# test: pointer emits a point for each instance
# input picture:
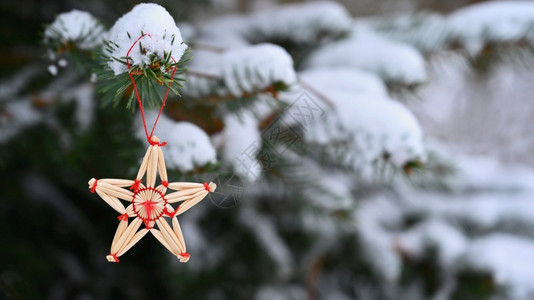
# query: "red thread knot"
(93, 188)
(123, 217)
(135, 185)
(153, 143)
(168, 213)
(207, 187)
(185, 254)
(165, 183)
(114, 255)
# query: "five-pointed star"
(149, 205)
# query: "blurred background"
(413, 179)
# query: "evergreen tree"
(304, 118)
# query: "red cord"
(148, 137)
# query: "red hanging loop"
(148, 137)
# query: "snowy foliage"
(471, 28)
(392, 61)
(325, 178)
(162, 37)
(448, 221)
(477, 25)
(188, 146)
(300, 23)
(364, 118)
(239, 71)
(77, 27)
(305, 23)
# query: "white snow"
(509, 258)
(241, 142)
(76, 26)
(307, 23)
(378, 244)
(328, 79)
(256, 67)
(476, 25)
(300, 22)
(188, 146)
(449, 241)
(83, 95)
(373, 125)
(161, 35)
(239, 71)
(392, 61)
(52, 69)
(62, 63)
(488, 196)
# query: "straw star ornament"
(149, 204)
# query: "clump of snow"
(62, 63)
(239, 71)
(491, 22)
(373, 125)
(508, 258)
(161, 36)
(301, 22)
(392, 61)
(78, 27)
(256, 67)
(188, 146)
(52, 69)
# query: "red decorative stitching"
(165, 183)
(135, 185)
(153, 143)
(185, 254)
(123, 217)
(93, 188)
(207, 187)
(114, 255)
(148, 205)
(168, 213)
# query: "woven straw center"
(149, 204)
